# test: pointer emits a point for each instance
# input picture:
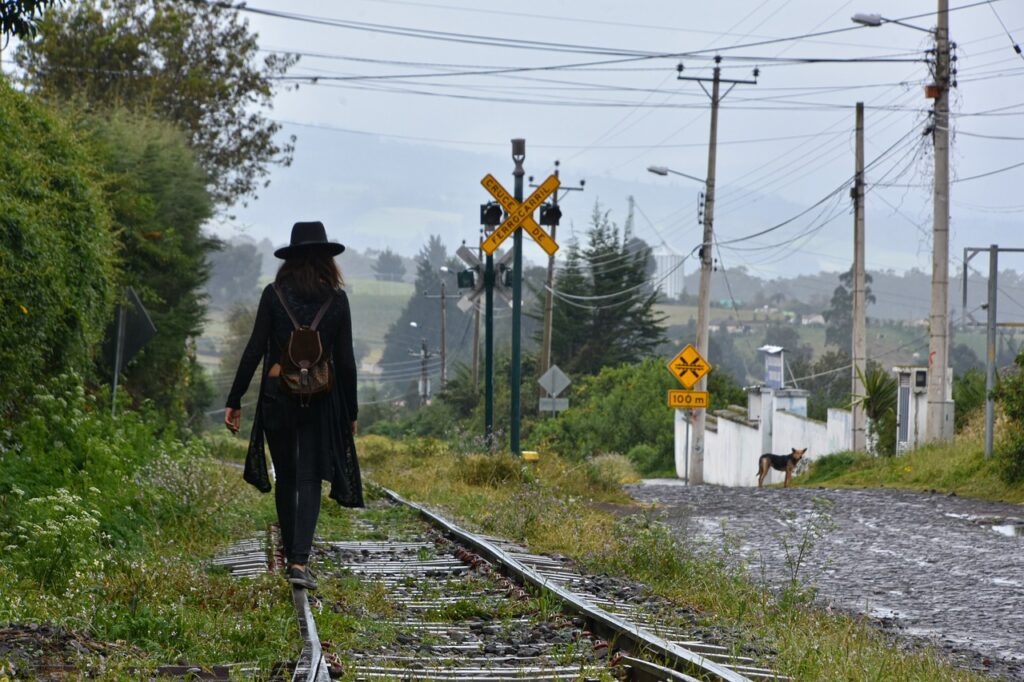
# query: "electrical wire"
(988, 173)
(1013, 43)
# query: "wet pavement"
(944, 569)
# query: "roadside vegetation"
(959, 467)
(578, 508)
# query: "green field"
(375, 306)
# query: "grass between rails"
(560, 506)
(958, 467)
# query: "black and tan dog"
(785, 463)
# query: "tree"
(194, 64)
(604, 307)
(879, 404)
(58, 251)
(402, 340)
(159, 202)
(389, 266)
(828, 380)
(839, 316)
(18, 18)
(788, 336)
(235, 269)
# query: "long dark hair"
(313, 274)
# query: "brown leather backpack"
(305, 367)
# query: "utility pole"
(424, 390)
(444, 317)
(990, 345)
(550, 216)
(991, 327)
(518, 156)
(549, 297)
(938, 415)
(704, 304)
(476, 332)
(859, 342)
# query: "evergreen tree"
(604, 308)
(403, 342)
(389, 267)
(839, 316)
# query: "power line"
(991, 172)
(1013, 43)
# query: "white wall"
(840, 430)
(731, 453)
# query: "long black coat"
(332, 413)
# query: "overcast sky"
(388, 161)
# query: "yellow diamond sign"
(689, 367)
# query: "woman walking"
(307, 407)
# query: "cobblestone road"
(945, 569)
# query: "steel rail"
(642, 639)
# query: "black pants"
(291, 436)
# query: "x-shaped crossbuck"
(519, 214)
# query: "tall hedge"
(57, 251)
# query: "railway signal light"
(550, 214)
(490, 214)
(466, 279)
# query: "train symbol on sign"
(689, 367)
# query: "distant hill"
(904, 296)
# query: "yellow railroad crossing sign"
(519, 214)
(689, 367)
(687, 399)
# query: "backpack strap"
(280, 297)
(323, 311)
(319, 315)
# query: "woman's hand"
(232, 419)
(355, 428)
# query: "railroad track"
(454, 606)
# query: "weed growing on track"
(555, 506)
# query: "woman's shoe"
(301, 577)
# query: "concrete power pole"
(444, 325)
(476, 331)
(859, 342)
(938, 415)
(424, 390)
(707, 243)
(704, 304)
(549, 298)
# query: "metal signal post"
(518, 155)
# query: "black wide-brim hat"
(309, 237)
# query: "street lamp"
(665, 170)
(875, 20)
(939, 420)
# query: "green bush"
(1010, 393)
(54, 536)
(57, 250)
(968, 395)
(610, 471)
(77, 483)
(621, 408)
(490, 470)
(648, 460)
(831, 466)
